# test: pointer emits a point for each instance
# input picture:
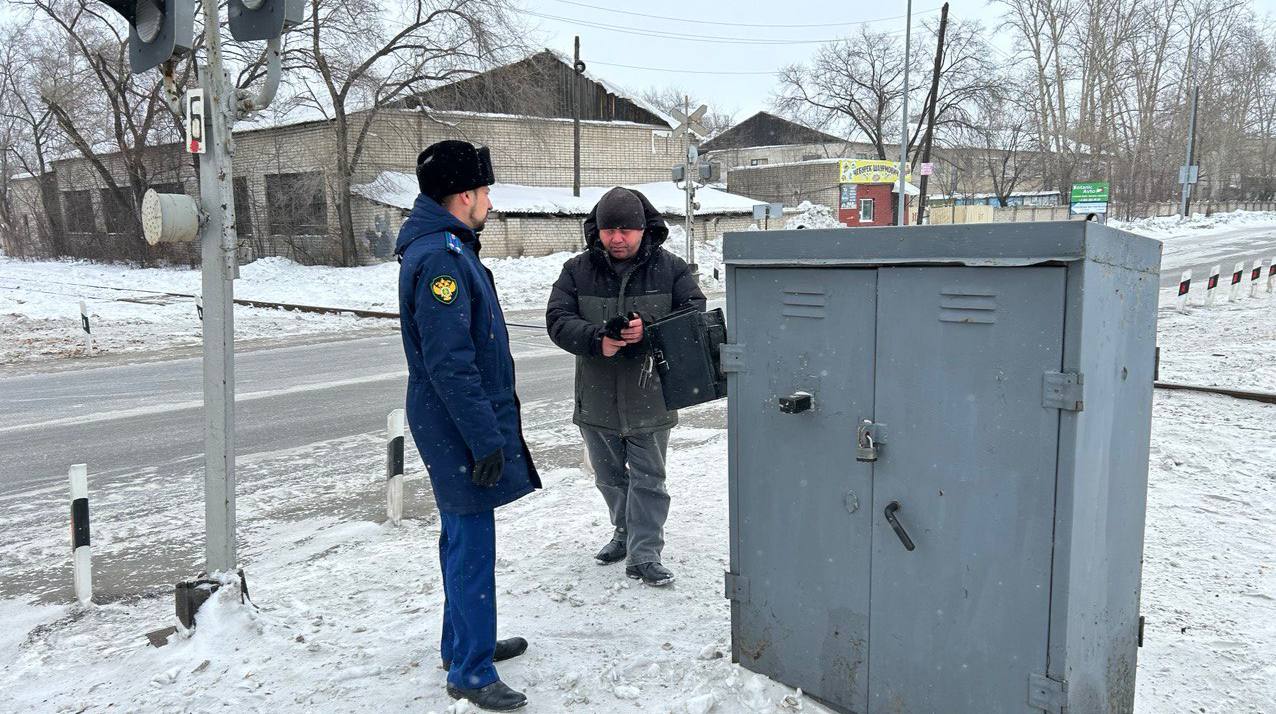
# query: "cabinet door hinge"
(1063, 390)
(737, 587)
(1047, 694)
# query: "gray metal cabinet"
(988, 560)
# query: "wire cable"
(712, 39)
(740, 24)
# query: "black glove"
(487, 470)
(613, 326)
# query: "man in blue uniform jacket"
(461, 407)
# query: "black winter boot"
(650, 573)
(495, 697)
(613, 552)
(505, 649)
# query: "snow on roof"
(397, 189)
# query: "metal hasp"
(989, 558)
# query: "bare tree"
(369, 57)
(104, 111)
(855, 85)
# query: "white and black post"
(1255, 275)
(88, 329)
(1271, 274)
(1185, 284)
(1212, 286)
(81, 550)
(394, 467)
(1237, 272)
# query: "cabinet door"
(961, 622)
(800, 501)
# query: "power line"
(681, 71)
(714, 39)
(738, 24)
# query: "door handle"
(891, 508)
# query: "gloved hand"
(487, 470)
(613, 327)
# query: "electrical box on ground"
(938, 463)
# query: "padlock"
(865, 447)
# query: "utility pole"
(1188, 165)
(219, 244)
(690, 186)
(903, 119)
(579, 67)
(930, 113)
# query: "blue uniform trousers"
(467, 554)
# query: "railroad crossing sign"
(690, 123)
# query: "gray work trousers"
(630, 473)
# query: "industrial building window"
(866, 210)
(757, 162)
(243, 208)
(77, 207)
(810, 157)
(296, 204)
(114, 213)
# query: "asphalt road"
(121, 418)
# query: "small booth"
(868, 190)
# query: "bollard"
(1235, 294)
(1271, 274)
(1212, 285)
(82, 568)
(88, 332)
(1185, 283)
(1255, 274)
(394, 467)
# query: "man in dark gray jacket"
(598, 310)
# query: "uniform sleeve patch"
(444, 289)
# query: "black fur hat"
(452, 166)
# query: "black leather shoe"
(505, 649)
(650, 573)
(495, 697)
(613, 552)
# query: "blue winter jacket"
(461, 404)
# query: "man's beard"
(477, 226)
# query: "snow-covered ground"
(350, 606)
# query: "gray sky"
(602, 48)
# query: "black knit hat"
(620, 208)
(452, 166)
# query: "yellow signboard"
(869, 171)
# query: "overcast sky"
(715, 65)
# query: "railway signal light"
(263, 19)
(158, 30)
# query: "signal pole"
(218, 239)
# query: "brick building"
(285, 183)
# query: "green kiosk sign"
(1090, 197)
